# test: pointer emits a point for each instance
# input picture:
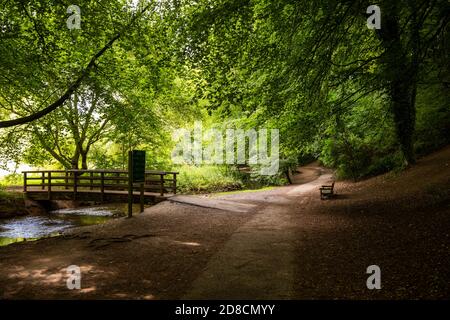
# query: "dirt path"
(258, 261)
(283, 243)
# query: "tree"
(26, 31)
(316, 59)
(69, 133)
(127, 75)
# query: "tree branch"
(73, 87)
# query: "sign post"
(136, 174)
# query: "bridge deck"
(109, 196)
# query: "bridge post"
(43, 180)
(66, 180)
(141, 198)
(75, 185)
(161, 191)
(174, 183)
(130, 184)
(102, 188)
(25, 182)
(49, 185)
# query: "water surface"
(31, 228)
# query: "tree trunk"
(75, 159)
(404, 116)
(84, 154)
(401, 77)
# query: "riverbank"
(12, 204)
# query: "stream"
(31, 228)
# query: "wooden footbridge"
(97, 185)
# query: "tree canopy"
(359, 99)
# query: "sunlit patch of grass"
(202, 179)
(13, 179)
(243, 191)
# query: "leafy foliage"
(359, 100)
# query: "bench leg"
(324, 196)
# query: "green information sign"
(136, 173)
(138, 166)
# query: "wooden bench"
(326, 191)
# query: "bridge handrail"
(75, 182)
(99, 171)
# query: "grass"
(204, 179)
(8, 194)
(243, 191)
(217, 179)
(7, 181)
(13, 179)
